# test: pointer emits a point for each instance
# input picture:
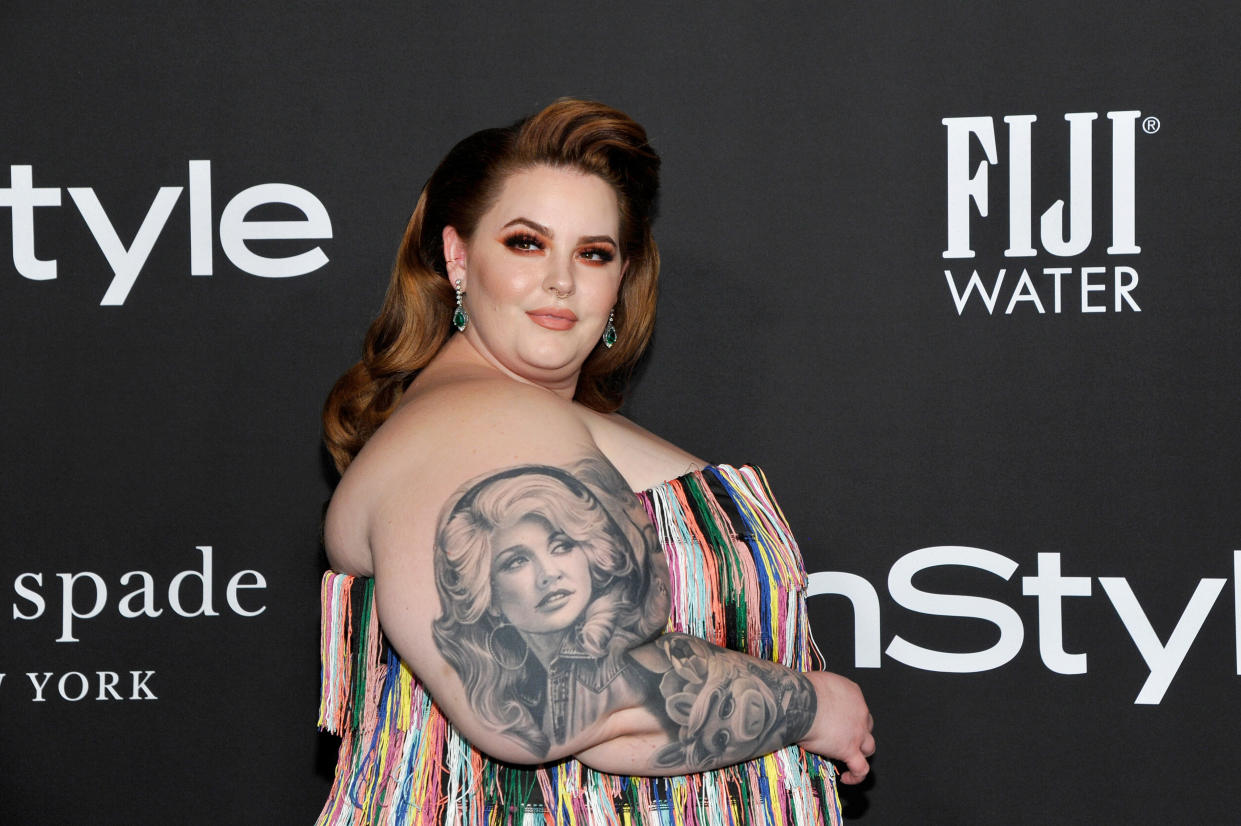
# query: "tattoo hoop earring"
(460, 317)
(495, 654)
(609, 332)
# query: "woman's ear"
(454, 255)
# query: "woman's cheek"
(507, 591)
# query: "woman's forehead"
(565, 200)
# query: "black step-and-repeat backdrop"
(963, 279)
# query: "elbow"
(521, 749)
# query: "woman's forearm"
(696, 707)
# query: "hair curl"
(414, 321)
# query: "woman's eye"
(720, 741)
(562, 545)
(599, 254)
(523, 242)
(513, 562)
(726, 707)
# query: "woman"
(543, 593)
(535, 243)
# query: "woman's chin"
(552, 363)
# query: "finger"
(856, 770)
(870, 722)
(868, 745)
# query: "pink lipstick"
(553, 318)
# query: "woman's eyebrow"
(510, 550)
(534, 225)
(545, 230)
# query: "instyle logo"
(1064, 231)
(25, 200)
(1049, 587)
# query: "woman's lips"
(554, 600)
(553, 318)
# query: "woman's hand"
(842, 728)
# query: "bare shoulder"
(643, 458)
(438, 437)
(493, 523)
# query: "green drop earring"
(460, 317)
(609, 332)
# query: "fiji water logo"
(1066, 229)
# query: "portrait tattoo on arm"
(552, 586)
(546, 578)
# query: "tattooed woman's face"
(540, 576)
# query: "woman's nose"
(549, 572)
(559, 278)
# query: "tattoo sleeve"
(553, 592)
(724, 707)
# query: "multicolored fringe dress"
(737, 580)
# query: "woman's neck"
(460, 352)
(545, 647)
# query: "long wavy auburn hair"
(415, 319)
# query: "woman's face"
(541, 274)
(540, 578)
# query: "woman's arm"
(520, 577)
(728, 707)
